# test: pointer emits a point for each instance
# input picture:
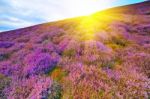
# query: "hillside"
(105, 55)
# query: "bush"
(142, 60)
(108, 64)
(56, 91)
(95, 53)
(42, 88)
(63, 44)
(6, 44)
(119, 41)
(9, 69)
(3, 56)
(111, 64)
(4, 82)
(58, 73)
(69, 53)
(40, 63)
(35, 87)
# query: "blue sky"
(22, 13)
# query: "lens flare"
(91, 24)
(85, 27)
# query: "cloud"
(47, 10)
(15, 22)
(22, 13)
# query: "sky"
(16, 14)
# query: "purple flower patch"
(7, 69)
(6, 44)
(39, 63)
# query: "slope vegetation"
(105, 55)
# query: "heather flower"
(4, 82)
(23, 39)
(41, 89)
(63, 44)
(31, 88)
(18, 46)
(104, 58)
(39, 63)
(113, 74)
(45, 48)
(9, 69)
(102, 36)
(87, 80)
(6, 44)
(18, 56)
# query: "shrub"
(56, 91)
(17, 47)
(45, 48)
(58, 73)
(4, 82)
(63, 44)
(3, 56)
(143, 61)
(9, 69)
(92, 82)
(47, 37)
(41, 89)
(18, 56)
(35, 87)
(6, 44)
(119, 41)
(23, 40)
(69, 53)
(111, 63)
(95, 53)
(87, 82)
(28, 46)
(108, 64)
(72, 48)
(39, 63)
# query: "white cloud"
(21, 13)
(58, 9)
(14, 22)
(48, 10)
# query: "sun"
(90, 23)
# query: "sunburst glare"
(84, 7)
